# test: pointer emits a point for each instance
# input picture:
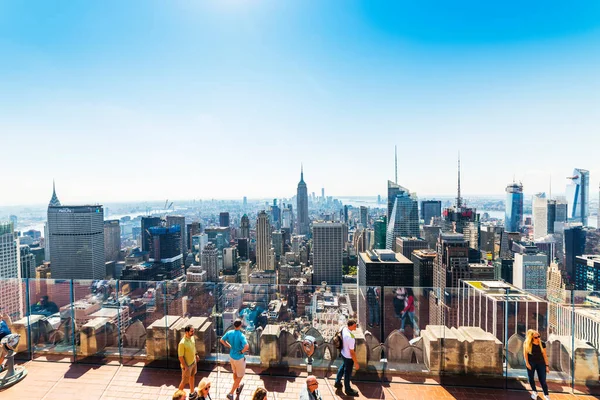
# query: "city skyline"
(101, 90)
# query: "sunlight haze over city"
(144, 100)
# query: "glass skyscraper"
(578, 196)
(513, 219)
(404, 219)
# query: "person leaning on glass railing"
(5, 330)
(536, 360)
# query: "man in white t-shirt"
(348, 359)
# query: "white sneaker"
(534, 395)
(546, 397)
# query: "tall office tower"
(364, 216)
(578, 196)
(451, 265)
(242, 247)
(28, 263)
(174, 220)
(302, 206)
(346, 216)
(598, 222)
(245, 227)
(286, 219)
(540, 216)
(323, 193)
(380, 228)
(404, 217)
(224, 219)
(574, 246)
(587, 273)
(263, 241)
(11, 294)
(431, 211)
(192, 229)
(530, 268)
(112, 240)
(557, 212)
(76, 242)
(165, 251)
(54, 202)
(275, 215)
(210, 258)
(513, 217)
(424, 261)
(278, 239)
(406, 245)
(230, 259)
(328, 245)
(147, 223)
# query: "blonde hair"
(177, 395)
(529, 341)
(203, 383)
(259, 394)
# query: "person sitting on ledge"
(5, 330)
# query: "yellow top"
(187, 349)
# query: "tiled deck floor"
(63, 381)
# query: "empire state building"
(302, 206)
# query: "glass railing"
(475, 331)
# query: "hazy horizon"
(220, 99)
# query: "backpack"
(338, 340)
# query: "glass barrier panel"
(585, 340)
(144, 304)
(51, 321)
(99, 321)
(13, 306)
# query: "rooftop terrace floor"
(61, 381)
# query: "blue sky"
(144, 100)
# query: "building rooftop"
(66, 381)
(499, 290)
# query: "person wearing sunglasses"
(536, 360)
(204, 389)
(311, 390)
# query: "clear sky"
(143, 100)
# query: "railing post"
(73, 326)
(572, 341)
(506, 338)
(119, 323)
(27, 314)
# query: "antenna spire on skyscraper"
(301, 172)
(458, 197)
(396, 163)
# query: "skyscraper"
(263, 242)
(578, 196)
(275, 215)
(328, 245)
(431, 210)
(404, 217)
(302, 206)
(574, 246)
(179, 220)
(147, 223)
(54, 202)
(245, 227)
(513, 217)
(112, 240)
(287, 219)
(209, 262)
(557, 212)
(451, 265)
(364, 216)
(11, 297)
(380, 228)
(76, 242)
(540, 217)
(224, 219)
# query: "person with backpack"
(348, 354)
(373, 303)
